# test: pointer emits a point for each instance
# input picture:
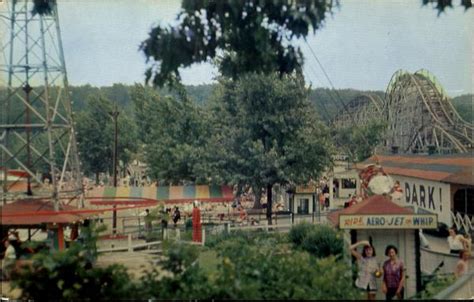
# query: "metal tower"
(36, 128)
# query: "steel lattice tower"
(36, 128)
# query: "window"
(348, 183)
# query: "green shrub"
(299, 232)
(319, 240)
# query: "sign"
(306, 189)
(377, 222)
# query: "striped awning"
(167, 194)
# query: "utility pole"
(115, 115)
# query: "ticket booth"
(382, 222)
(304, 200)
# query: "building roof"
(30, 212)
(453, 168)
(376, 204)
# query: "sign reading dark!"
(401, 221)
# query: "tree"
(265, 132)
(244, 36)
(174, 133)
(95, 129)
(360, 141)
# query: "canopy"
(167, 194)
(30, 212)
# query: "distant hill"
(328, 102)
(464, 104)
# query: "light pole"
(115, 115)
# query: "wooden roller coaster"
(419, 115)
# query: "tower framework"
(36, 128)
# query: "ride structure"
(37, 132)
(419, 115)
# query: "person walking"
(393, 275)
(176, 216)
(9, 259)
(368, 268)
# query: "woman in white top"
(368, 268)
(455, 242)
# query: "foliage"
(320, 241)
(43, 7)
(299, 232)
(249, 268)
(360, 141)
(174, 133)
(441, 5)
(265, 132)
(464, 105)
(244, 36)
(435, 285)
(95, 136)
(68, 275)
(177, 276)
(245, 238)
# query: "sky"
(360, 46)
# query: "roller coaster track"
(418, 112)
(361, 109)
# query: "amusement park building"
(438, 184)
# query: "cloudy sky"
(361, 45)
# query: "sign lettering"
(402, 221)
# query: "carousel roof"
(376, 204)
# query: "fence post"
(227, 228)
(203, 239)
(292, 218)
(130, 248)
(178, 234)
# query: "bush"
(318, 240)
(299, 232)
(67, 275)
(435, 285)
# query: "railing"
(431, 259)
(463, 288)
(461, 222)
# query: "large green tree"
(96, 128)
(174, 133)
(265, 132)
(241, 35)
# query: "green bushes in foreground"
(262, 266)
(321, 241)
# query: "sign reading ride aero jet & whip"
(394, 221)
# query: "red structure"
(197, 227)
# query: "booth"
(382, 222)
(304, 200)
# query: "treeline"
(328, 102)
